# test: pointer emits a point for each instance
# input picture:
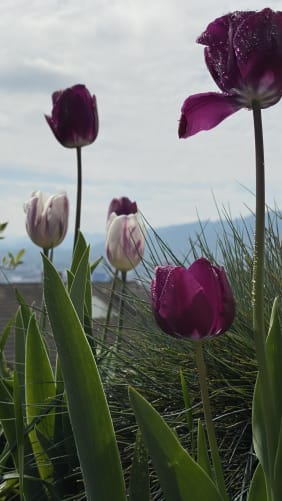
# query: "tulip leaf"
(202, 450)
(257, 490)
(187, 402)
(181, 478)
(19, 423)
(278, 465)
(139, 485)
(78, 284)
(89, 413)
(7, 413)
(263, 421)
(20, 352)
(78, 262)
(3, 339)
(40, 390)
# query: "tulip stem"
(78, 195)
(109, 310)
(258, 290)
(202, 369)
(121, 310)
(43, 315)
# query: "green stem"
(209, 422)
(258, 292)
(121, 310)
(109, 310)
(43, 315)
(78, 195)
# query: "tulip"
(193, 303)
(47, 218)
(244, 56)
(74, 119)
(124, 235)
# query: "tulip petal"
(180, 304)
(205, 111)
(122, 206)
(218, 293)
(219, 54)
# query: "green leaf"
(88, 409)
(7, 412)
(260, 415)
(78, 285)
(25, 309)
(40, 390)
(4, 372)
(202, 450)
(94, 265)
(84, 282)
(2, 227)
(80, 248)
(20, 337)
(257, 490)
(139, 485)
(181, 478)
(187, 402)
(278, 465)
(19, 433)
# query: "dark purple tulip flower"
(244, 56)
(193, 303)
(74, 119)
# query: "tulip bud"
(192, 303)
(124, 235)
(74, 119)
(47, 218)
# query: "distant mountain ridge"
(177, 237)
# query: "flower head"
(124, 234)
(244, 56)
(47, 218)
(74, 119)
(192, 303)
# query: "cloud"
(141, 60)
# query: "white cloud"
(141, 60)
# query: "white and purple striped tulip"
(124, 235)
(47, 218)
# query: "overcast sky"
(140, 59)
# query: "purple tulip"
(244, 56)
(192, 303)
(74, 119)
(47, 218)
(124, 234)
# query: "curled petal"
(205, 111)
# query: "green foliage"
(89, 413)
(202, 450)
(2, 228)
(139, 485)
(147, 360)
(267, 409)
(40, 391)
(11, 261)
(181, 478)
(257, 490)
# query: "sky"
(141, 61)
